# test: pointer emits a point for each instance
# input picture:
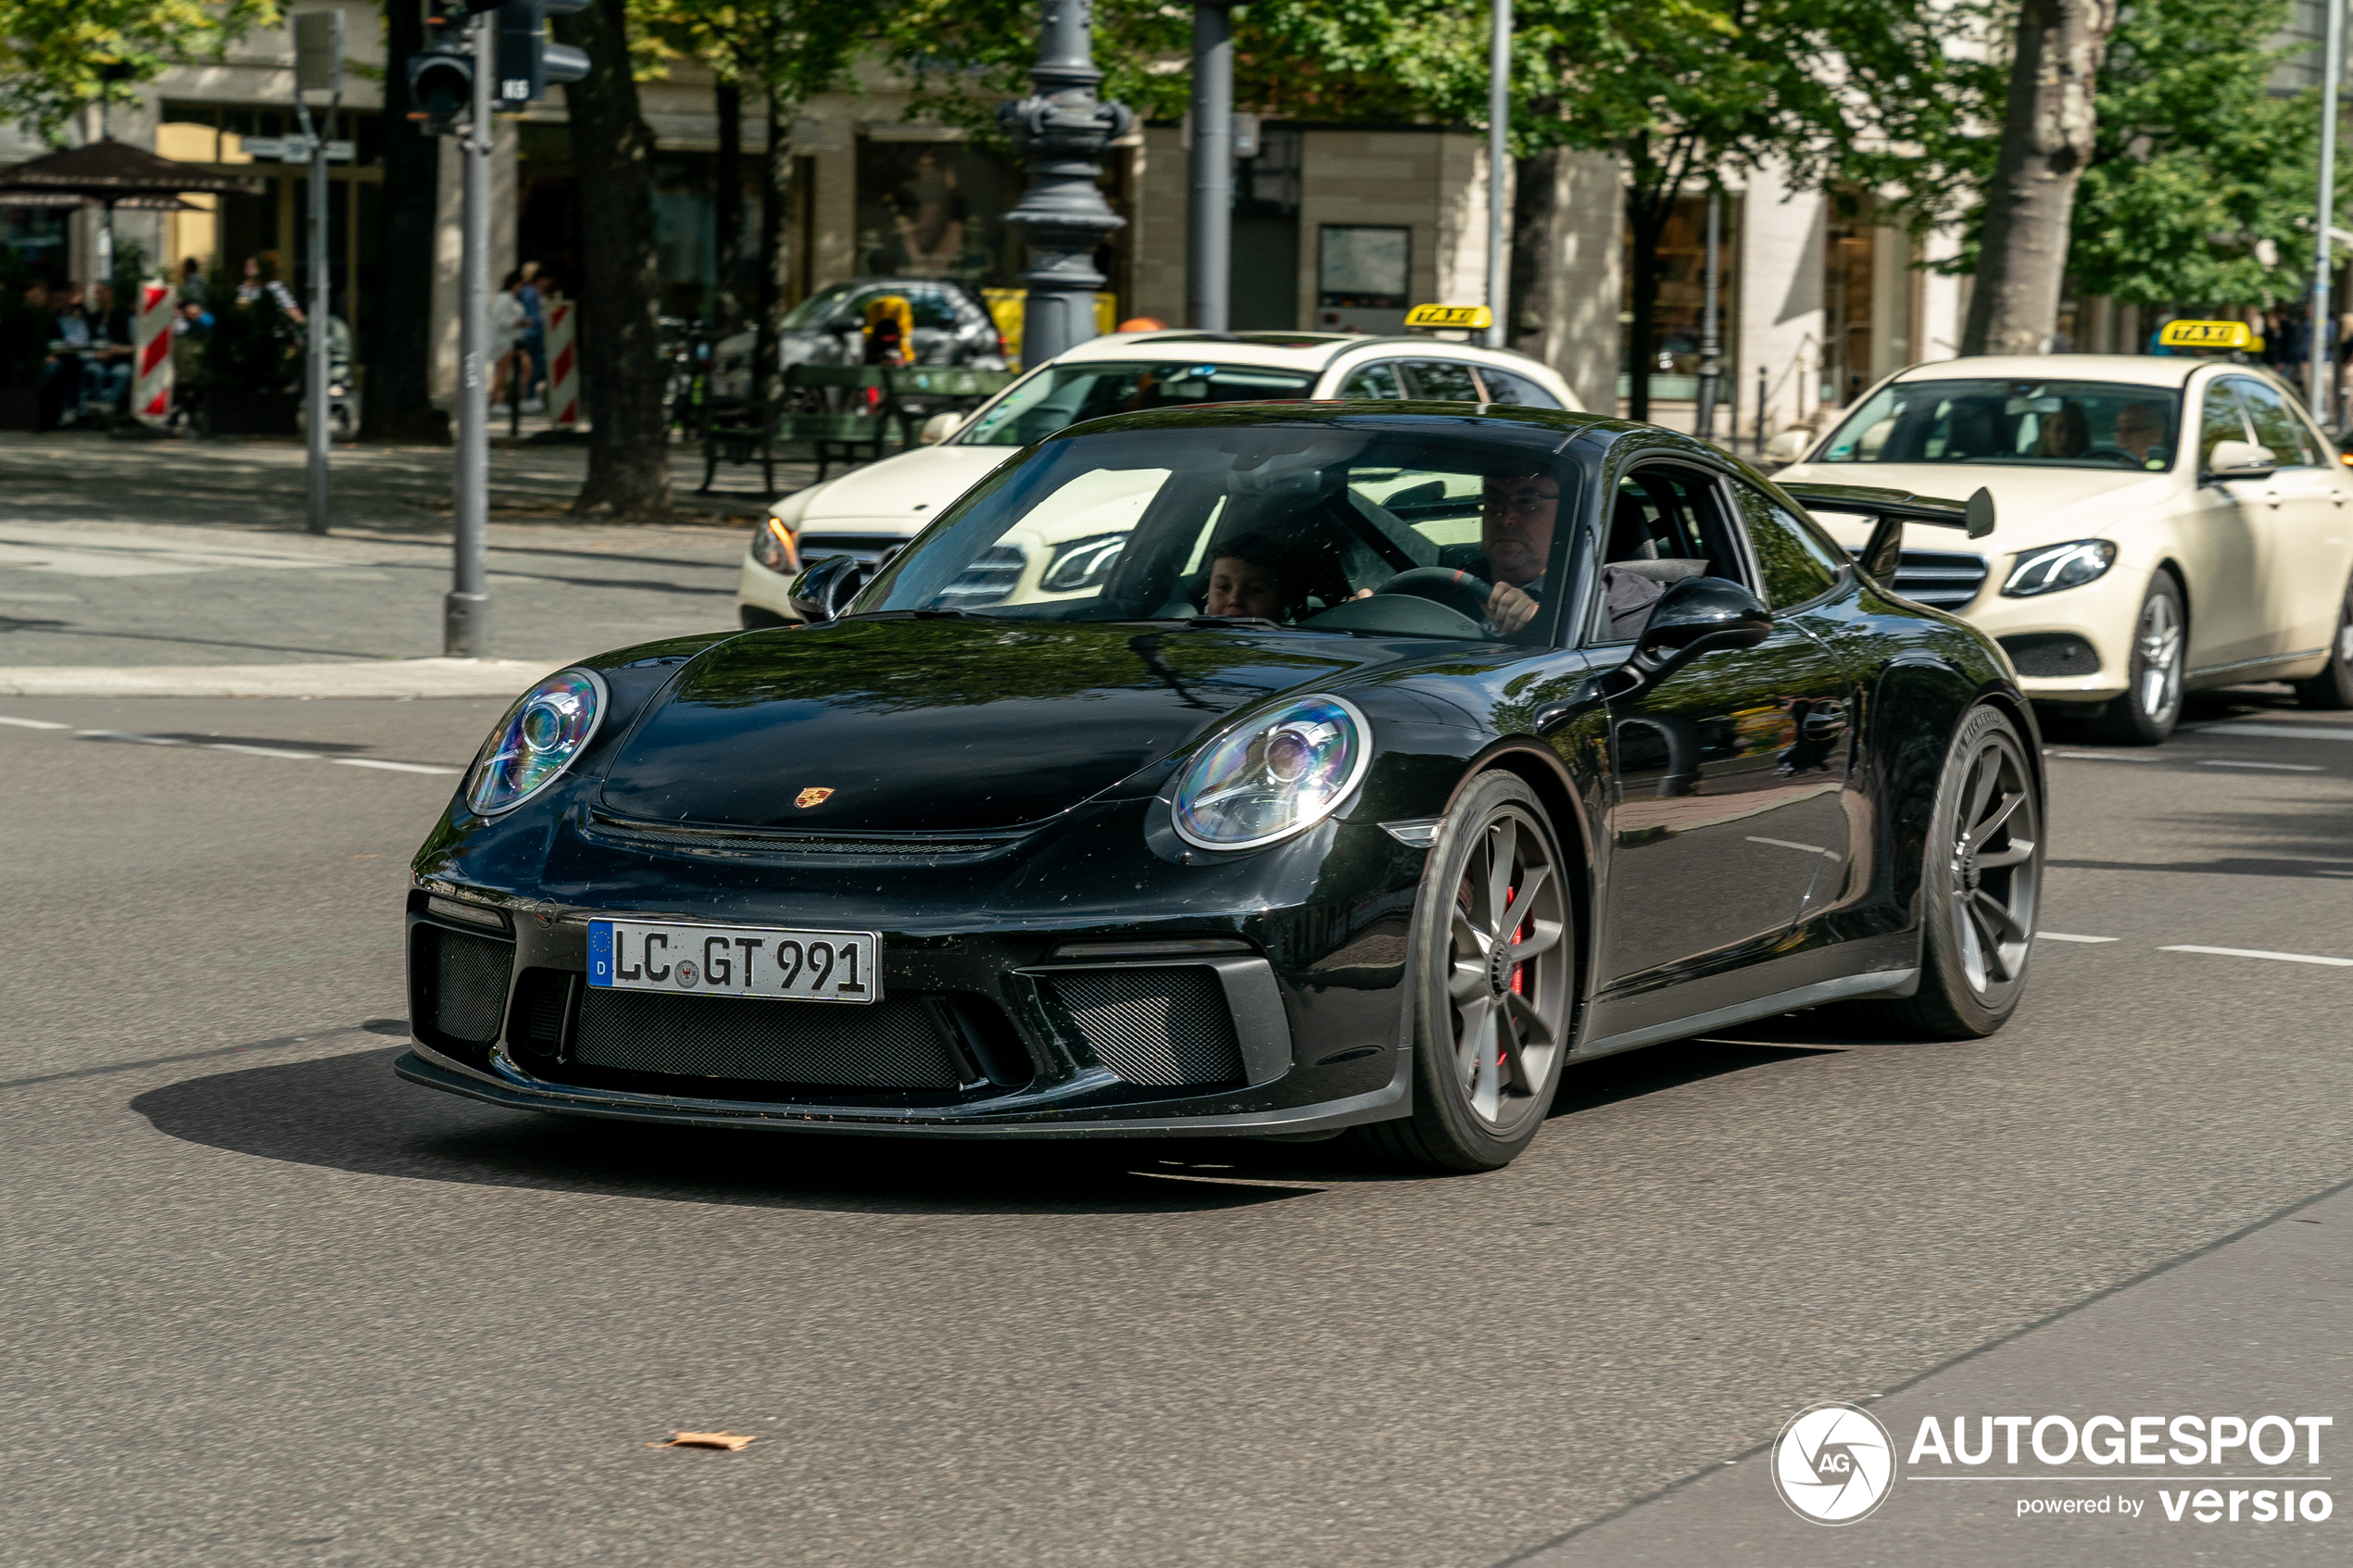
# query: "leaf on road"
(730, 1441)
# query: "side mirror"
(1694, 616)
(1789, 445)
(824, 590)
(2241, 459)
(938, 428)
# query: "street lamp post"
(1499, 130)
(1210, 215)
(466, 609)
(1711, 347)
(2321, 394)
(1062, 130)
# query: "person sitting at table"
(105, 370)
(68, 337)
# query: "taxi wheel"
(1495, 962)
(2151, 703)
(2332, 687)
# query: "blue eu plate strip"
(601, 952)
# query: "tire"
(2332, 687)
(1980, 887)
(2151, 703)
(1471, 1113)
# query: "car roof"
(2134, 370)
(1296, 351)
(1539, 430)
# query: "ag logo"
(808, 798)
(1834, 1463)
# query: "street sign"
(1462, 317)
(293, 149)
(2207, 334)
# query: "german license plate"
(735, 960)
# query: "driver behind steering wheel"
(1515, 520)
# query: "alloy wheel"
(1508, 973)
(2158, 642)
(1995, 875)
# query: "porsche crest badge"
(808, 798)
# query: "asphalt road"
(264, 1304)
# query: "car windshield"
(2068, 424)
(1327, 525)
(1061, 396)
(811, 311)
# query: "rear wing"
(1894, 509)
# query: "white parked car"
(871, 511)
(2164, 524)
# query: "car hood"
(2032, 507)
(910, 489)
(940, 725)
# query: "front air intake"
(458, 985)
(897, 1043)
(1159, 1026)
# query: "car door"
(1507, 386)
(2223, 542)
(2302, 527)
(1726, 774)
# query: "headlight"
(536, 741)
(771, 547)
(1274, 776)
(2048, 570)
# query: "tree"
(57, 56)
(399, 402)
(622, 370)
(2048, 129)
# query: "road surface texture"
(265, 1303)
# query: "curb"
(377, 678)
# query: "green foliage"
(58, 56)
(253, 346)
(131, 269)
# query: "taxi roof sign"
(1467, 318)
(2207, 335)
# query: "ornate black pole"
(1062, 130)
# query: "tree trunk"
(727, 246)
(2046, 140)
(398, 406)
(775, 259)
(1538, 249)
(621, 365)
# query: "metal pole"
(317, 342)
(1062, 130)
(1758, 451)
(1710, 347)
(1498, 134)
(1210, 235)
(2322, 326)
(466, 611)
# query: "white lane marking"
(2271, 766)
(278, 752)
(2100, 756)
(1785, 843)
(2064, 936)
(2260, 953)
(391, 767)
(2287, 731)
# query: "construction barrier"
(563, 363)
(151, 385)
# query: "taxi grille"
(1940, 579)
(873, 549)
(993, 574)
(897, 1043)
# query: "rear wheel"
(2332, 687)
(2151, 703)
(1494, 965)
(1979, 887)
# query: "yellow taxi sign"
(1465, 318)
(2207, 335)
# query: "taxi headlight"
(771, 547)
(2055, 567)
(548, 726)
(1275, 776)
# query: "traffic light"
(440, 77)
(528, 63)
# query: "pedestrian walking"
(535, 338)
(261, 279)
(507, 319)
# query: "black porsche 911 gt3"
(1267, 770)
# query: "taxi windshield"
(2068, 424)
(1323, 526)
(1061, 396)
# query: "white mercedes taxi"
(2163, 524)
(871, 511)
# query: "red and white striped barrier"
(151, 386)
(563, 363)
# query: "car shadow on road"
(350, 1113)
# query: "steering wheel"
(1458, 591)
(2114, 454)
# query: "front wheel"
(2332, 687)
(1494, 970)
(2151, 703)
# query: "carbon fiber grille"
(468, 983)
(894, 1043)
(1162, 1027)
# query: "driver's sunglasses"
(1526, 502)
